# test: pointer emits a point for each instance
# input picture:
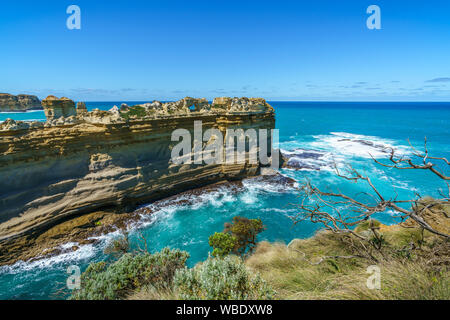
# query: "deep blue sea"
(319, 133)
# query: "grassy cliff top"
(414, 264)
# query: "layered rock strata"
(89, 228)
(79, 163)
(81, 108)
(55, 108)
(19, 103)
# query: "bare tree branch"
(407, 163)
(340, 213)
(324, 258)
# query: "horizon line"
(325, 101)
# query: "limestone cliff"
(83, 162)
(22, 102)
(56, 108)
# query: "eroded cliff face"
(21, 102)
(79, 164)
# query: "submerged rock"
(303, 159)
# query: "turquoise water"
(38, 115)
(319, 134)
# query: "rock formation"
(21, 102)
(240, 104)
(78, 163)
(55, 108)
(192, 105)
(81, 108)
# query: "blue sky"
(279, 50)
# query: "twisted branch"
(332, 208)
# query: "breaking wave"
(323, 151)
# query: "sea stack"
(55, 108)
(19, 103)
(81, 108)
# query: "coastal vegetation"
(118, 246)
(413, 264)
(224, 278)
(223, 243)
(131, 272)
(164, 275)
(238, 237)
(134, 111)
(411, 256)
(410, 260)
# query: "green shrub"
(245, 231)
(118, 246)
(137, 111)
(223, 243)
(367, 225)
(129, 273)
(221, 279)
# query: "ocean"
(317, 135)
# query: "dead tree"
(341, 213)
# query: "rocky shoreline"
(87, 228)
(91, 165)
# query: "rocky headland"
(19, 103)
(100, 165)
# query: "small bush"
(367, 225)
(129, 273)
(119, 246)
(245, 231)
(137, 111)
(223, 243)
(221, 279)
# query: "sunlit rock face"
(55, 108)
(240, 104)
(21, 102)
(79, 162)
(81, 108)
